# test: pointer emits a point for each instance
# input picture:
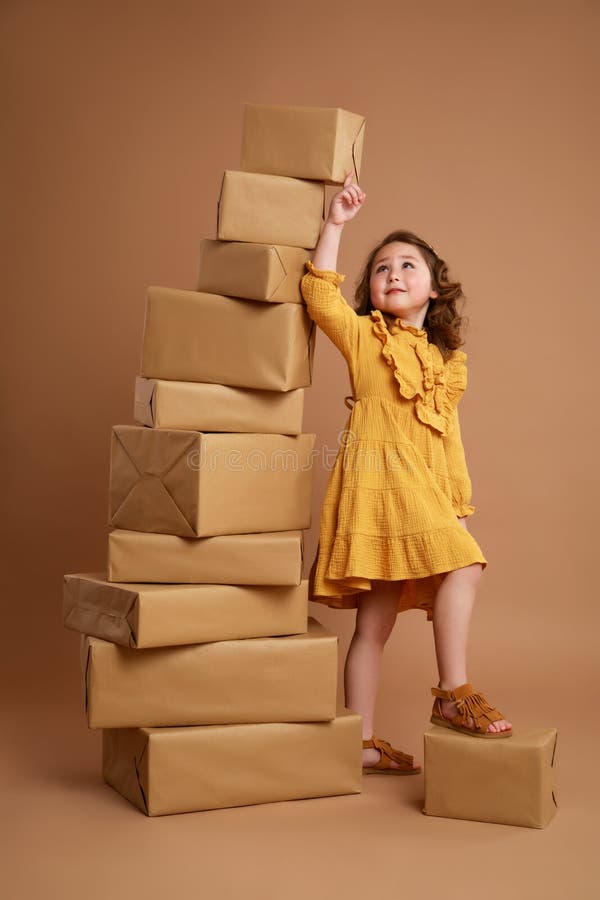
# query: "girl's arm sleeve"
(327, 307)
(457, 468)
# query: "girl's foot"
(449, 710)
(371, 758)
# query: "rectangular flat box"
(264, 558)
(269, 679)
(302, 141)
(270, 209)
(193, 336)
(165, 615)
(197, 484)
(510, 781)
(178, 770)
(196, 406)
(267, 272)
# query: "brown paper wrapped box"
(265, 558)
(179, 770)
(196, 406)
(510, 781)
(268, 679)
(164, 615)
(253, 271)
(191, 336)
(196, 484)
(270, 209)
(302, 141)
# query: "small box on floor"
(269, 679)
(197, 484)
(270, 209)
(510, 781)
(197, 406)
(165, 615)
(302, 141)
(192, 336)
(267, 272)
(178, 770)
(268, 558)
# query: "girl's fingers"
(353, 194)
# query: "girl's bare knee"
(374, 631)
(377, 612)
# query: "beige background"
(120, 118)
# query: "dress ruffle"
(328, 274)
(443, 384)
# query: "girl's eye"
(383, 266)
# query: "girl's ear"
(434, 295)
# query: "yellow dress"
(400, 478)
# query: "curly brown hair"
(443, 322)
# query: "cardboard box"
(197, 484)
(506, 780)
(254, 271)
(191, 336)
(268, 679)
(265, 558)
(178, 770)
(164, 615)
(302, 141)
(196, 406)
(270, 209)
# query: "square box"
(270, 209)
(323, 143)
(506, 780)
(197, 484)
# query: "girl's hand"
(345, 204)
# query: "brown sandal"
(388, 753)
(470, 703)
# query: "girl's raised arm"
(343, 207)
(320, 285)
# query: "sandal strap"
(470, 703)
(405, 760)
(454, 694)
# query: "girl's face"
(400, 282)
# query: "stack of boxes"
(212, 685)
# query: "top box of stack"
(323, 144)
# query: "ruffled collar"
(442, 384)
(398, 324)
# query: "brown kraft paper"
(510, 781)
(270, 679)
(196, 484)
(177, 770)
(225, 340)
(164, 615)
(267, 272)
(302, 141)
(270, 209)
(196, 406)
(264, 558)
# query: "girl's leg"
(451, 616)
(375, 619)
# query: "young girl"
(393, 533)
